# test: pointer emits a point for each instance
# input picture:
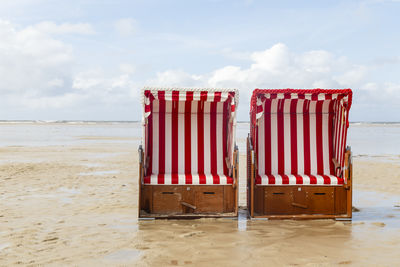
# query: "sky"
(89, 59)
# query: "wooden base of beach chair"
(177, 201)
(300, 202)
(188, 201)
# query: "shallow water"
(52, 134)
(364, 138)
(374, 139)
(377, 208)
(90, 206)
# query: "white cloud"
(278, 67)
(37, 71)
(105, 88)
(50, 27)
(352, 77)
(177, 78)
(126, 27)
(31, 60)
(58, 102)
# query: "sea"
(365, 138)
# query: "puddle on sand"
(123, 255)
(69, 190)
(242, 220)
(376, 208)
(3, 246)
(98, 173)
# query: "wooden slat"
(349, 177)
(141, 175)
(229, 199)
(169, 201)
(301, 217)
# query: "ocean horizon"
(365, 138)
(136, 121)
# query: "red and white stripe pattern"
(340, 133)
(183, 94)
(188, 137)
(297, 179)
(308, 96)
(297, 135)
(293, 137)
(188, 179)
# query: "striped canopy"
(189, 135)
(300, 133)
(188, 94)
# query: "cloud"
(38, 71)
(177, 78)
(278, 67)
(64, 28)
(105, 88)
(126, 27)
(31, 60)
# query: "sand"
(77, 205)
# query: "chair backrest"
(299, 131)
(188, 132)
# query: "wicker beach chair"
(298, 163)
(189, 159)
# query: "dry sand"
(77, 205)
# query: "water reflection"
(278, 241)
(377, 208)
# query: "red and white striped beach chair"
(188, 165)
(298, 164)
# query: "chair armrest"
(235, 167)
(141, 156)
(348, 165)
(141, 164)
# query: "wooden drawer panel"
(321, 200)
(340, 200)
(278, 200)
(286, 200)
(209, 199)
(300, 201)
(167, 199)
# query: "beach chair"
(298, 165)
(189, 159)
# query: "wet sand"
(77, 205)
